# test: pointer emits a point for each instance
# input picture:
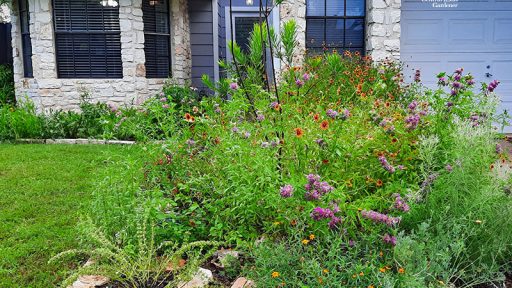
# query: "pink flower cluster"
(385, 164)
(388, 239)
(400, 203)
(316, 188)
(286, 191)
(380, 218)
(320, 213)
(493, 85)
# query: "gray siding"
(201, 40)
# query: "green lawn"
(43, 191)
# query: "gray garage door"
(442, 35)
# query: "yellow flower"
(312, 237)
(383, 270)
(325, 271)
(401, 270)
(275, 274)
(305, 241)
(277, 223)
(371, 286)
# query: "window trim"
(57, 32)
(168, 35)
(344, 18)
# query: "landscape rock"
(200, 279)
(90, 281)
(242, 282)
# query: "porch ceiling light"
(109, 3)
(249, 2)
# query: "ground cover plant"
(44, 190)
(344, 176)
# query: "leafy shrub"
(7, 96)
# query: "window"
(157, 38)
(26, 43)
(335, 25)
(87, 39)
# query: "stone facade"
(48, 92)
(383, 29)
(296, 9)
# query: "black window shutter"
(157, 38)
(26, 42)
(87, 39)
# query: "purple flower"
(305, 76)
(190, 142)
(320, 142)
(351, 243)
(385, 164)
(345, 114)
(335, 222)
(412, 121)
(400, 204)
(442, 81)
(233, 86)
(273, 105)
(265, 144)
(449, 104)
(459, 70)
(260, 117)
(273, 143)
(417, 75)
(246, 134)
(499, 148)
(163, 99)
(162, 94)
(312, 178)
(165, 106)
(493, 85)
(312, 195)
(331, 113)
(457, 77)
(235, 129)
(286, 191)
(112, 107)
(453, 92)
(412, 106)
(299, 83)
(320, 213)
(470, 81)
(456, 85)
(449, 168)
(380, 218)
(388, 239)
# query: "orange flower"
(299, 132)
(401, 270)
(312, 237)
(382, 270)
(325, 271)
(492, 166)
(379, 183)
(324, 125)
(275, 274)
(316, 117)
(361, 274)
(305, 242)
(189, 117)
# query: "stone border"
(80, 141)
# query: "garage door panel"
(431, 29)
(502, 31)
(467, 31)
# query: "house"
(122, 51)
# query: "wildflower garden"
(342, 175)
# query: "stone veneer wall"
(49, 92)
(382, 27)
